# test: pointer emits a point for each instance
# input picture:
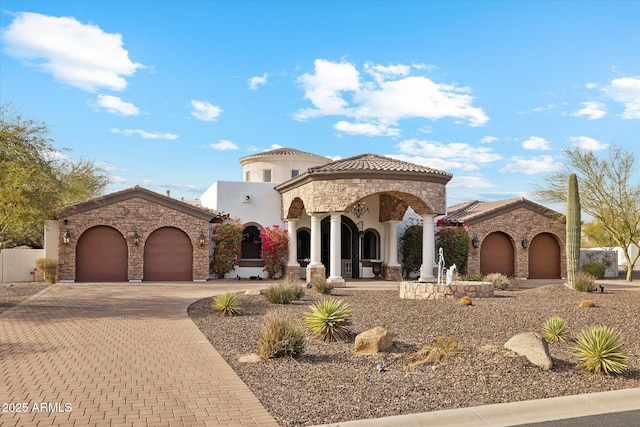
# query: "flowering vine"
(275, 246)
(226, 253)
(453, 238)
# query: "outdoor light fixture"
(201, 239)
(475, 242)
(525, 242)
(360, 228)
(66, 237)
(360, 209)
(135, 238)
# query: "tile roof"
(476, 209)
(375, 163)
(283, 151)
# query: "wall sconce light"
(202, 239)
(525, 242)
(475, 242)
(135, 238)
(66, 237)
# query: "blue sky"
(170, 94)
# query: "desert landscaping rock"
(532, 346)
(373, 341)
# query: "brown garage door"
(101, 256)
(168, 255)
(496, 255)
(544, 257)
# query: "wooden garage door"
(544, 257)
(101, 256)
(496, 255)
(168, 255)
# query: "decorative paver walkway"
(117, 354)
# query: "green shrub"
(555, 329)
(411, 249)
(475, 277)
(599, 349)
(454, 240)
(47, 268)
(284, 292)
(585, 282)
(323, 287)
(594, 268)
(499, 280)
(329, 320)
(281, 337)
(226, 304)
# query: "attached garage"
(496, 255)
(101, 256)
(168, 256)
(544, 257)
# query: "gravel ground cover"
(12, 294)
(329, 383)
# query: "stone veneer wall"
(458, 289)
(517, 223)
(131, 215)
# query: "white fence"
(18, 265)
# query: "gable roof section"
(368, 165)
(151, 196)
(477, 211)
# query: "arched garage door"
(496, 255)
(544, 257)
(101, 256)
(168, 255)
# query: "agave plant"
(555, 329)
(226, 304)
(329, 320)
(599, 349)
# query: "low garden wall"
(457, 289)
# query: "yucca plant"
(329, 320)
(555, 329)
(284, 292)
(281, 337)
(599, 349)
(226, 304)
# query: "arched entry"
(101, 256)
(168, 255)
(496, 255)
(349, 247)
(544, 257)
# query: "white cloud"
(455, 155)
(80, 55)
(626, 90)
(145, 134)
(536, 143)
(367, 129)
(591, 85)
(117, 179)
(338, 89)
(469, 182)
(223, 145)
(531, 166)
(586, 143)
(256, 81)
(115, 105)
(205, 111)
(488, 139)
(592, 109)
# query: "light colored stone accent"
(433, 291)
(373, 341)
(393, 272)
(315, 273)
(292, 272)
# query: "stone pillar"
(292, 269)
(315, 269)
(393, 269)
(335, 239)
(428, 248)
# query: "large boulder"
(373, 341)
(533, 347)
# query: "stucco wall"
(17, 265)
(280, 167)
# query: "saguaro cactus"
(573, 230)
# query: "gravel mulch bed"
(12, 294)
(329, 383)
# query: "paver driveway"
(118, 354)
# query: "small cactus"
(587, 303)
(466, 300)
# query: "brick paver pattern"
(117, 354)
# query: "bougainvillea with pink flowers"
(226, 252)
(275, 246)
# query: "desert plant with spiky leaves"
(555, 329)
(281, 337)
(284, 292)
(499, 280)
(226, 304)
(323, 287)
(573, 231)
(329, 320)
(584, 282)
(444, 348)
(599, 349)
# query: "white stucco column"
(293, 243)
(393, 243)
(335, 274)
(428, 248)
(315, 241)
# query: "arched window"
(304, 244)
(251, 244)
(370, 245)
